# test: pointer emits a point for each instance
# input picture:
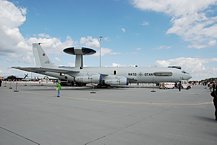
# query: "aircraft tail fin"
(41, 59)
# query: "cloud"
(16, 50)
(90, 41)
(11, 18)
(14, 47)
(122, 65)
(190, 19)
(123, 30)
(12, 42)
(51, 44)
(145, 23)
(199, 68)
(116, 64)
(105, 51)
(138, 49)
(163, 47)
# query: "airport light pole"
(100, 51)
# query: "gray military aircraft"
(102, 76)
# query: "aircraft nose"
(188, 77)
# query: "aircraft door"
(115, 72)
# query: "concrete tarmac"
(118, 116)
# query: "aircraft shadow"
(207, 119)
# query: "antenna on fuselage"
(79, 54)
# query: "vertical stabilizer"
(41, 59)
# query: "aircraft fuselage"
(132, 74)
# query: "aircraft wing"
(42, 69)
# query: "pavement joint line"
(141, 103)
(122, 128)
(20, 135)
(95, 140)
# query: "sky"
(147, 33)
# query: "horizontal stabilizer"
(42, 69)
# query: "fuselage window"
(163, 73)
(114, 72)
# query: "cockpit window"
(177, 67)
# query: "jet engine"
(88, 79)
(99, 79)
(115, 80)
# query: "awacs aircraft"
(102, 76)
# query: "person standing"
(180, 86)
(0, 82)
(214, 95)
(58, 88)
